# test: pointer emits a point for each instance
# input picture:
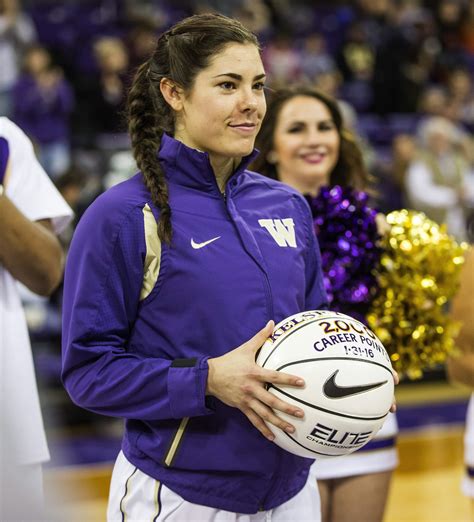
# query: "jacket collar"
(192, 168)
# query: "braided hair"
(180, 54)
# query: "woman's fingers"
(275, 403)
(396, 378)
(268, 416)
(274, 377)
(258, 422)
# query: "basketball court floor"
(426, 485)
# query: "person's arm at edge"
(29, 250)
(460, 367)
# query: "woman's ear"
(272, 157)
(172, 93)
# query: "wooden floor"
(426, 486)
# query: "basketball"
(348, 382)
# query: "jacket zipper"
(268, 290)
(176, 441)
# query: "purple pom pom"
(348, 238)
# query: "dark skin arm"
(29, 250)
(460, 367)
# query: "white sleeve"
(23, 28)
(422, 190)
(468, 187)
(27, 184)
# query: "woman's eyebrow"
(239, 77)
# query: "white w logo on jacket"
(281, 230)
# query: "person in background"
(461, 366)
(391, 175)
(432, 102)
(315, 58)
(113, 61)
(98, 118)
(440, 180)
(32, 212)
(43, 101)
(17, 31)
(141, 41)
(304, 144)
(461, 93)
(171, 277)
(282, 60)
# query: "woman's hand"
(236, 380)
(383, 226)
(396, 379)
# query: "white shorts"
(468, 481)
(135, 496)
(21, 493)
(378, 455)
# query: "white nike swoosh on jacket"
(196, 246)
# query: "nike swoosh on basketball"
(196, 246)
(334, 391)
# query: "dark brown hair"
(181, 53)
(349, 169)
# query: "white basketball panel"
(329, 335)
(351, 375)
(321, 434)
(349, 385)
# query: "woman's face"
(37, 60)
(306, 144)
(223, 111)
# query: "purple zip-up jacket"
(142, 318)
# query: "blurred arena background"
(392, 64)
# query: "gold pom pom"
(418, 274)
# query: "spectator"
(315, 59)
(450, 17)
(43, 102)
(467, 32)
(391, 175)
(404, 63)
(102, 97)
(460, 89)
(16, 32)
(141, 43)
(329, 82)
(356, 57)
(440, 180)
(356, 60)
(255, 15)
(432, 101)
(282, 61)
